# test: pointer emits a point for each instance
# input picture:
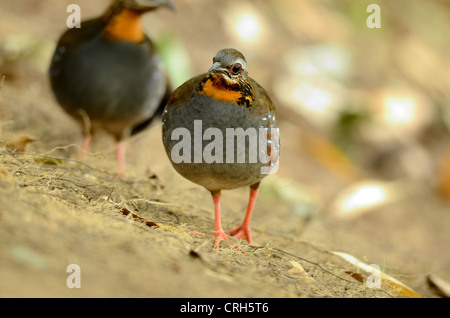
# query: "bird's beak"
(156, 3)
(215, 66)
(169, 4)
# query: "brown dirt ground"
(56, 211)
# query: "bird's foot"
(242, 232)
(120, 177)
(220, 236)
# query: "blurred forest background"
(364, 112)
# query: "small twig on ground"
(70, 146)
(152, 202)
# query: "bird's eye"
(235, 68)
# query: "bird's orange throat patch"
(126, 26)
(219, 88)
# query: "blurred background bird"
(108, 75)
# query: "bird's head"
(123, 18)
(231, 64)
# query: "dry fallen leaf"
(365, 196)
(393, 284)
(358, 276)
(125, 211)
(440, 285)
(20, 144)
(300, 272)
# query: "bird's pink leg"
(218, 230)
(243, 231)
(120, 158)
(87, 141)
